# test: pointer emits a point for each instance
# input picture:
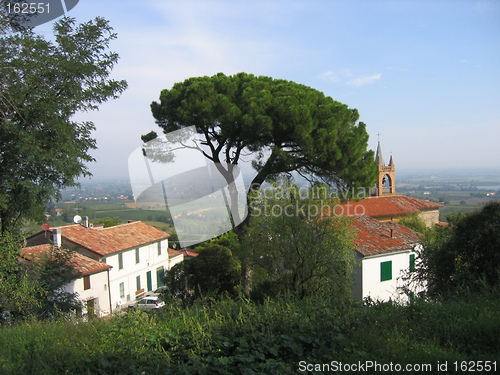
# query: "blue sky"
(425, 74)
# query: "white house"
(385, 252)
(91, 283)
(137, 253)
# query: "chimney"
(56, 237)
(392, 232)
(86, 221)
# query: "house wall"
(373, 287)
(429, 217)
(149, 261)
(124, 279)
(99, 291)
(175, 260)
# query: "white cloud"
(203, 38)
(345, 76)
(330, 76)
(340, 76)
(398, 69)
(366, 80)
(191, 39)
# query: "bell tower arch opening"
(387, 186)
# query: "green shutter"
(149, 281)
(120, 261)
(386, 271)
(138, 282)
(412, 262)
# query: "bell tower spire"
(379, 159)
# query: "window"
(159, 247)
(386, 271)
(137, 256)
(412, 262)
(86, 282)
(120, 261)
(138, 282)
(122, 290)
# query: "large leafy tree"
(43, 83)
(294, 250)
(51, 272)
(286, 127)
(18, 291)
(34, 287)
(216, 271)
(464, 255)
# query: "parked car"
(147, 303)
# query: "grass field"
(446, 211)
(160, 219)
(241, 337)
(162, 226)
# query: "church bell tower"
(386, 184)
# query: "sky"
(424, 74)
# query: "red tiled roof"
(82, 264)
(374, 237)
(105, 241)
(185, 252)
(189, 253)
(388, 205)
(173, 252)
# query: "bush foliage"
(229, 337)
(464, 255)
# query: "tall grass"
(228, 337)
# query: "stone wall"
(429, 217)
